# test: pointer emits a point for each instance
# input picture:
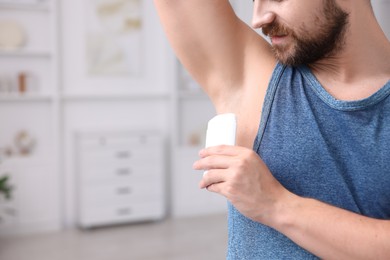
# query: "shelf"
(25, 54)
(16, 97)
(25, 7)
(11, 162)
(109, 96)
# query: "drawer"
(103, 141)
(121, 214)
(142, 155)
(124, 172)
(100, 195)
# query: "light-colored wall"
(382, 10)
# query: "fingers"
(216, 188)
(213, 177)
(212, 162)
(219, 162)
(227, 150)
(214, 181)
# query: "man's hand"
(241, 176)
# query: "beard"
(308, 47)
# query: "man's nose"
(262, 15)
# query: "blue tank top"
(334, 151)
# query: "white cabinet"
(121, 177)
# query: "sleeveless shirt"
(318, 147)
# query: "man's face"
(312, 40)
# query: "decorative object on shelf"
(12, 36)
(113, 37)
(197, 137)
(194, 139)
(5, 187)
(24, 143)
(27, 82)
(7, 211)
(22, 82)
(6, 84)
(5, 152)
(8, 151)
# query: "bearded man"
(310, 175)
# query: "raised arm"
(220, 51)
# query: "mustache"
(275, 28)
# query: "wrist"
(285, 211)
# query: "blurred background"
(99, 128)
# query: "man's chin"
(288, 61)
(290, 64)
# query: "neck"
(362, 66)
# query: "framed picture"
(113, 37)
(113, 47)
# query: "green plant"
(5, 188)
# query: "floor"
(183, 239)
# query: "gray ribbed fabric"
(318, 147)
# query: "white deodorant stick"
(221, 130)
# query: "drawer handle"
(123, 155)
(124, 171)
(124, 191)
(124, 211)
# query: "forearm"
(333, 233)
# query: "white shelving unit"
(28, 92)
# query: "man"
(314, 179)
